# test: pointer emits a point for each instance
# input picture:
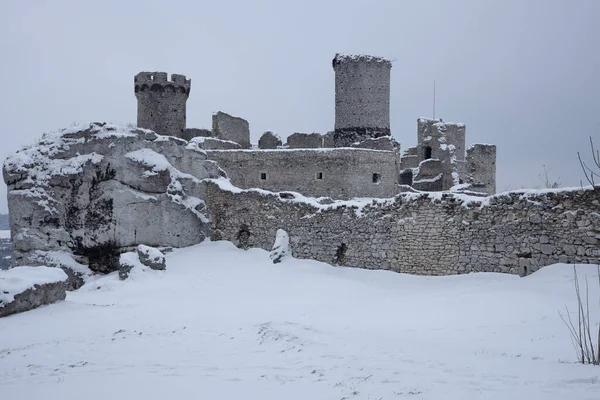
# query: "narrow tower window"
(263, 176)
(427, 152)
(376, 178)
(319, 175)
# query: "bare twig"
(591, 173)
(581, 335)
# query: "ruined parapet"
(305, 141)
(328, 139)
(444, 141)
(162, 102)
(429, 176)
(210, 143)
(435, 137)
(227, 127)
(409, 161)
(190, 133)
(411, 151)
(362, 98)
(269, 140)
(481, 168)
(387, 143)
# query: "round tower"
(162, 102)
(362, 98)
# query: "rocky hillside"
(95, 191)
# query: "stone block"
(151, 257)
(26, 288)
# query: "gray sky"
(522, 74)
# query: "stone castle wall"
(228, 127)
(430, 234)
(481, 168)
(336, 173)
(362, 92)
(162, 102)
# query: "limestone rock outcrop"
(96, 191)
(25, 288)
(151, 257)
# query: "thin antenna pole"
(434, 99)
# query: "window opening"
(427, 152)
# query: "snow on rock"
(144, 259)
(281, 248)
(127, 262)
(25, 288)
(210, 143)
(93, 190)
(78, 273)
(151, 257)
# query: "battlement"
(159, 80)
(438, 122)
(359, 58)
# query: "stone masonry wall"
(481, 168)
(362, 92)
(162, 102)
(430, 234)
(227, 127)
(305, 141)
(336, 173)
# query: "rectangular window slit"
(263, 176)
(319, 175)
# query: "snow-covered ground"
(223, 323)
(4, 234)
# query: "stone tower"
(362, 98)
(162, 102)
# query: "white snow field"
(4, 234)
(224, 323)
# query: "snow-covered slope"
(223, 323)
(4, 234)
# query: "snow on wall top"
(341, 58)
(359, 204)
(19, 279)
(439, 122)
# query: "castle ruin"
(362, 160)
(162, 102)
(97, 191)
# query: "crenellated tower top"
(160, 80)
(162, 102)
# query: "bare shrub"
(549, 183)
(592, 174)
(585, 341)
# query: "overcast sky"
(522, 74)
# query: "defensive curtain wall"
(418, 233)
(337, 173)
